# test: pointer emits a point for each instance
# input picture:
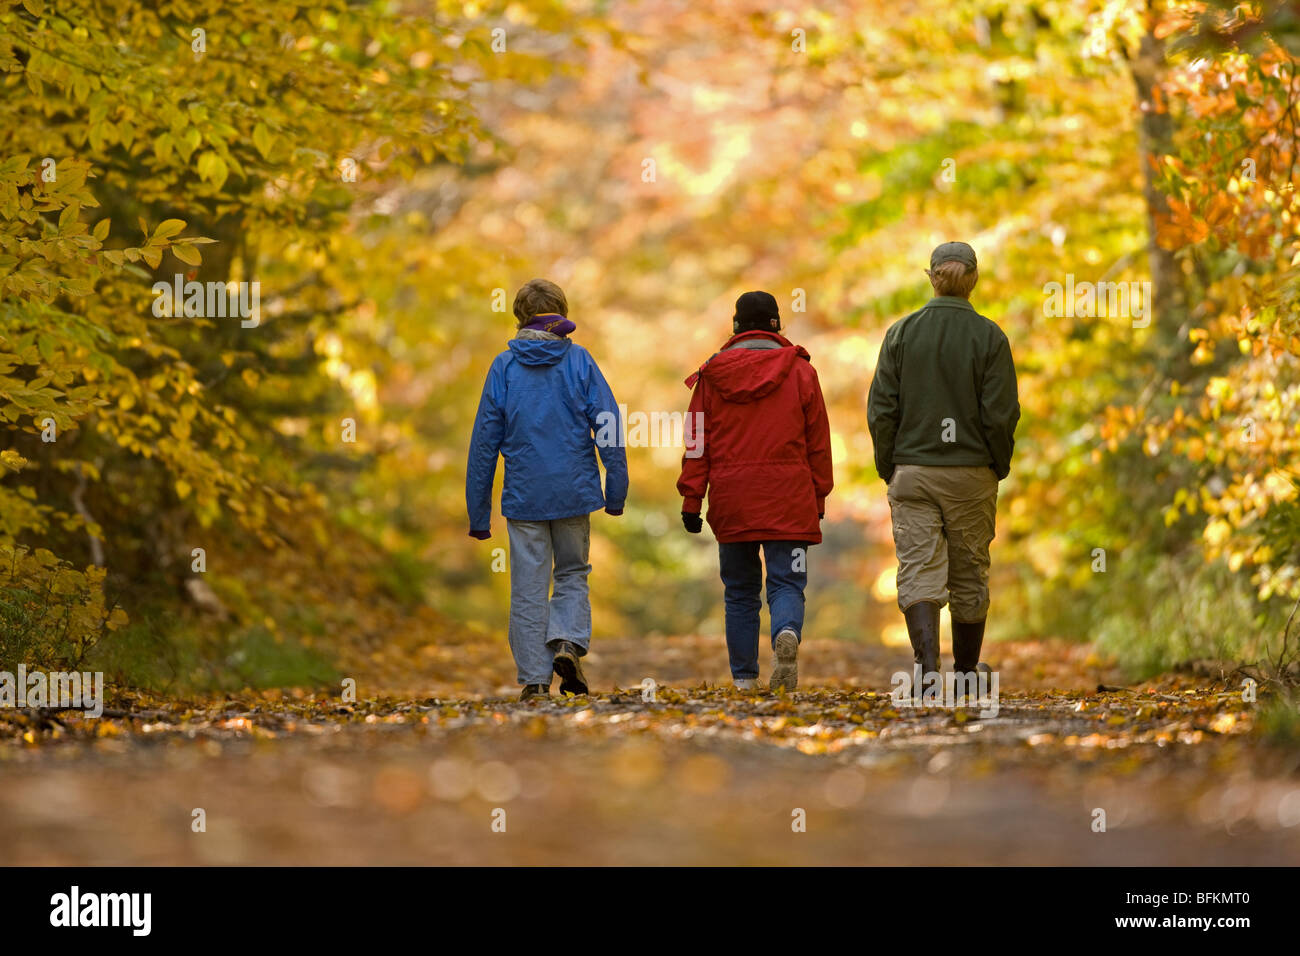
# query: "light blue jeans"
(538, 618)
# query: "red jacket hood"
(747, 374)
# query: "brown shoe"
(785, 671)
(535, 690)
(567, 665)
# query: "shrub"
(51, 614)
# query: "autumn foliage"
(217, 503)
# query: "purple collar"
(550, 322)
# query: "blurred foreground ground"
(413, 772)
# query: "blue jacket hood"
(539, 351)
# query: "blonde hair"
(953, 278)
(538, 296)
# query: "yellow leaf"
(168, 227)
(69, 215)
(162, 147)
(1223, 723)
(213, 167)
(1217, 532)
(262, 139)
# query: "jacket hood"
(539, 351)
(747, 374)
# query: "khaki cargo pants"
(943, 523)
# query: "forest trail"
(700, 774)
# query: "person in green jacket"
(942, 410)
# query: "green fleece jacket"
(944, 391)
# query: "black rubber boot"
(967, 637)
(923, 630)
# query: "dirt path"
(697, 775)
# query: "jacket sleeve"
(1000, 406)
(602, 409)
(694, 481)
(882, 411)
(817, 437)
(484, 448)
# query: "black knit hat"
(756, 310)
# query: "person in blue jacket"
(543, 399)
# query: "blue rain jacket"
(541, 403)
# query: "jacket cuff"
(692, 506)
(481, 535)
(821, 504)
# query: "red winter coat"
(765, 443)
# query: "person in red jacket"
(759, 445)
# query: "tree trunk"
(1169, 310)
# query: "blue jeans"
(538, 618)
(742, 580)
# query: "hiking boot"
(923, 631)
(747, 684)
(568, 667)
(535, 690)
(785, 672)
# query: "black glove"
(692, 522)
(821, 516)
